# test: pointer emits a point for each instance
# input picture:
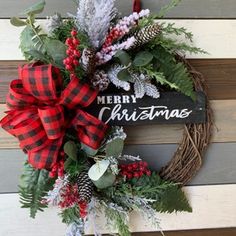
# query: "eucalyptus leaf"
(142, 58)
(17, 22)
(88, 150)
(124, 57)
(115, 148)
(37, 8)
(124, 75)
(105, 181)
(98, 169)
(57, 50)
(70, 149)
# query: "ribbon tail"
(47, 156)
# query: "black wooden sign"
(170, 108)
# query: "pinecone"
(146, 34)
(88, 61)
(85, 187)
(100, 80)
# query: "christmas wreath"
(75, 160)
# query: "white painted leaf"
(97, 170)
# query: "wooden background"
(212, 192)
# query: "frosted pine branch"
(94, 17)
(53, 23)
(143, 85)
(130, 158)
(112, 75)
(54, 196)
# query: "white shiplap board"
(213, 207)
(217, 37)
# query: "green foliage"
(56, 50)
(175, 73)
(124, 57)
(142, 58)
(70, 215)
(117, 219)
(166, 8)
(105, 181)
(175, 47)
(34, 185)
(70, 150)
(31, 40)
(167, 196)
(17, 22)
(73, 168)
(171, 200)
(115, 147)
(171, 29)
(37, 8)
(124, 75)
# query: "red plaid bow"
(37, 113)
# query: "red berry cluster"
(69, 196)
(135, 170)
(83, 209)
(57, 170)
(112, 36)
(73, 54)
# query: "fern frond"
(34, 185)
(176, 74)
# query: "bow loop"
(18, 97)
(44, 82)
(89, 129)
(78, 93)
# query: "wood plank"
(205, 32)
(186, 9)
(199, 232)
(224, 131)
(217, 167)
(203, 199)
(219, 73)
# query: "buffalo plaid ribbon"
(37, 113)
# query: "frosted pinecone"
(85, 187)
(100, 80)
(146, 34)
(88, 60)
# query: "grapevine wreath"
(75, 160)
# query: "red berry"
(76, 42)
(69, 41)
(129, 176)
(148, 172)
(76, 53)
(73, 76)
(129, 167)
(69, 67)
(142, 168)
(69, 52)
(136, 175)
(73, 33)
(135, 165)
(75, 62)
(143, 163)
